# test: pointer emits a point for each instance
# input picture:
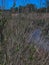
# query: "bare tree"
(3, 4)
(47, 5)
(40, 5)
(14, 3)
(3, 7)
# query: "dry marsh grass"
(16, 50)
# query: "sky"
(9, 3)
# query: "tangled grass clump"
(2, 44)
(2, 23)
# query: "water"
(36, 37)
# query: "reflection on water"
(36, 37)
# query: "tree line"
(27, 8)
(30, 8)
